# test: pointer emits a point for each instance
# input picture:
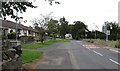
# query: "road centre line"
(114, 61)
(97, 53)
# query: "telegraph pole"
(95, 29)
(16, 27)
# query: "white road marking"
(115, 51)
(88, 48)
(114, 61)
(98, 53)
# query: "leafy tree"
(114, 30)
(64, 27)
(52, 28)
(78, 30)
(9, 8)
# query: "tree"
(41, 31)
(41, 24)
(114, 30)
(9, 8)
(63, 27)
(52, 28)
(78, 30)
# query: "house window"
(30, 32)
(11, 31)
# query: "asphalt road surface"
(78, 55)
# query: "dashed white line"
(98, 53)
(114, 61)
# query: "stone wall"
(11, 55)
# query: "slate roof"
(10, 24)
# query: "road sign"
(108, 32)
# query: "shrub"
(117, 44)
(26, 39)
(11, 35)
(3, 37)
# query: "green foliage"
(29, 56)
(118, 44)
(3, 37)
(40, 45)
(89, 40)
(26, 39)
(64, 27)
(114, 30)
(78, 30)
(11, 35)
(113, 44)
(9, 7)
(52, 28)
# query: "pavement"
(79, 55)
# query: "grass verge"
(29, 56)
(40, 45)
(113, 44)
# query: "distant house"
(22, 30)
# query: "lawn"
(40, 45)
(29, 56)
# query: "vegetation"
(11, 35)
(8, 8)
(40, 45)
(63, 27)
(118, 44)
(114, 44)
(25, 39)
(52, 28)
(114, 30)
(78, 30)
(29, 56)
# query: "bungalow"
(22, 30)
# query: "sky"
(87, 11)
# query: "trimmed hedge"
(26, 39)
(11, 35)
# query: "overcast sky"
(87, 11)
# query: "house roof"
(10, 24)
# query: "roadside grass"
(29, 56)
(102, 42)
(40, 45)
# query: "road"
(78, 55)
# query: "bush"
(26, 39)
(3, 37)
(11, 35)
(117, 44)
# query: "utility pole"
(16, 27)
(95, 29)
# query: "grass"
(102, 42)
(40, 45)
(29, 56)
